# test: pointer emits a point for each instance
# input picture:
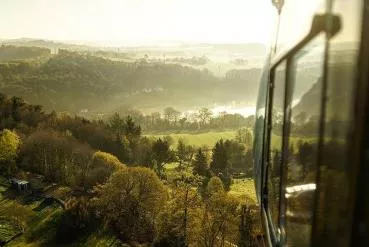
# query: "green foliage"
(220, 219)
(229, 156)
(70, 81)
(59, 158)
(199, 139)
(200, 164)
(16, 214)
(244, 136)
(215, 186)
(101, 167)
(184, 152)
(9, 148)
(171, 115)
(204, 116)
(220, 158)
(244, 189)
(9, 53)
(44, 230)
(130, 202)
(76, 221)
(161, 155)
(177, 221)
(16, 113)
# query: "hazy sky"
(142, 21)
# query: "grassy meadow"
(198, 139)
(210, 138)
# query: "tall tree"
(219, 223)
(220, 159)
(161, 155)
(204, 116)
(116, 124)
(100, 168)
(130, 201)
(184, 152)
(9, 148)
(244, 136)
(131, 130)
(171, 114)
(200, 164)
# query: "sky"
(119, 22)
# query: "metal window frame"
(359, 175)
(319, 25)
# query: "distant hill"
(52, 45)
(70, 81)
(10, 52)
(338, 91)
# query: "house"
(20, 185)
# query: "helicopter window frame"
(271, 100)
(330, 25)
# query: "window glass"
(275, 152)
(303, 139)
(336, 165)
(295, 21)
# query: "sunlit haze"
(126, 22)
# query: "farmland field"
(210, 138)
(202, 139)
(244, 189)
(241, 188)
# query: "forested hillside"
(12, 53)
(70, 81)
(116, 183)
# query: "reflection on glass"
(296, 21)
(303, 142)
(276, 143)
(334, 202)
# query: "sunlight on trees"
(9, 148)
(130, 201)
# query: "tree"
(200, 164)
(220, 218)
(144, 154)
(9, 148)
(244, 136)
(306, 157)
(215, 186)
(220, 162)
(182, 122)
(171, 114)
(161, 155)
(131, 130)
(116, 124)
(184, 152)
(76, 220)
(101, 167)
(58, 157)
(248, 225)
(130, 202)
(178, 219)
(204, 116)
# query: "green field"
(210, 138)
(244, 189)
(202, 139)
(277, 140)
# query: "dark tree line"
(11, 53)
(174, 120)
